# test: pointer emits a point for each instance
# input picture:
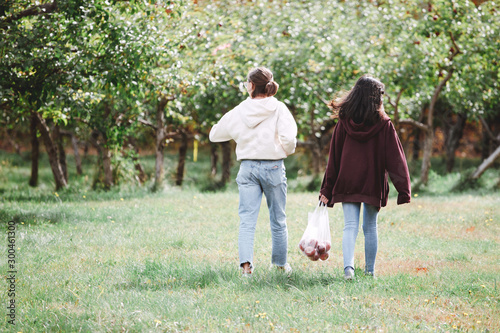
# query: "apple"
(312, 242)
(328, 246)
(309, 251)
(302, 244)
(324, 256)
(321, 247)
(314, 256)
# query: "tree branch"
(321, 98)
(390, 102)
(147, 123)
(488, 130)
(435, 96)
(486, 164)
(43, 9)
(398, 98)
(456, 49)
(414, 123)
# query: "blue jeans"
(351, 220)
(254, 178)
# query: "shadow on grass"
(33, 217)
(23, 196)
(74, 193)
(158, 276)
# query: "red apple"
(315, 257)
(309, 251)
(328, 246)
(324, 256)
(321, 248)
(312, 242)
(302, 244)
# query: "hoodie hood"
(255, 111)
(361, 132)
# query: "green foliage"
(103, 66)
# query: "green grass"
(132, 260)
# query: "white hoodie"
(264, 129)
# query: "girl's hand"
(323, 199)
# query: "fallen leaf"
(471, 229)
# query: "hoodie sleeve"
(396, 165)
(333, 166)
(220, 131)
(287, 130)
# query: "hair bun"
(264, 82)
(271, 88)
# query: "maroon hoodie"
(360, 159)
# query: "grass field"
(130, 260)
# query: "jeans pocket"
(243, 176)
(276, 175)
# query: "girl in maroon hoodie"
(364, 150)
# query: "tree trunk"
(214, 157)
(105, 157)
(160, 143)
(416, 134)
(182, 159)
(52, 152)
(489, 139)
(76, 152)
(426, 158)
(416, 144)
(159, 164)
(317, 158)
(486, 164)
(429, 133)
(107, 167)
(226, 162)
(396, 113)
(61, 154)
(137, 165)
(453, 135)
(485, 145)
(78, 160)
(35, 151)
(85, 150)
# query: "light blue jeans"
(254, 178)
(351, 227)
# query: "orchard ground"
(132, 260)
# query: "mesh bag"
(316, 241)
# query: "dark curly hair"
(363, 103)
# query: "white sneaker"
(349, 273)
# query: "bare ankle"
(246, 267)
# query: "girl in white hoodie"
(265, 133)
